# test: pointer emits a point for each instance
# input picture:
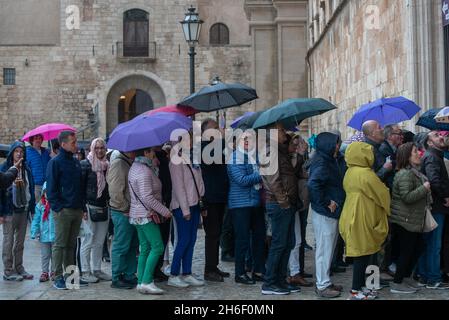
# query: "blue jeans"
(186, 238)
(249, 230)
(282, 242)
(429, 262)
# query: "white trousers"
(293, 261)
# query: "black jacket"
(89, 186)
(387, 151)
(8, 177)
(379, 161)
(164, 176)
(215, 177)
(433, 167)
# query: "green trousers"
(151, 248)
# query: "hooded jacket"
(64, 182)
(44, 229)
(6, 195)
(364, 219)
(326, 176)
(38, 163)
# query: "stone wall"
(63, 83)
(360, 59)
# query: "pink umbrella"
(184, 110)
(49, 131)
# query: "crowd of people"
(378, 200)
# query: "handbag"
(98, 214)
(429, 222)
(153, 215)
(202, 203)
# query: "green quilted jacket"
(409, 201)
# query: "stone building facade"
(362, 50)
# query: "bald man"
(374, 135)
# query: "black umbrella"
(220, 96)
(427, 120)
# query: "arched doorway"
(131, 96)
(132, 103)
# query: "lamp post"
(191, 26)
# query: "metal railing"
(136, 50)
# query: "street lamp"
(191, 26)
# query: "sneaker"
(386, 277)
(150, 289)
(382, 284)
(290, 287)
(421, 283)
(437, 286)
(44, 277)
(101, 276)
(12, 277)
(274, 290)
(59, 284)
(411, 283)
(401, 288)
(26, 275)
(359, 295)
(189, 279)
(132, 281)
(327, 293)
(89, 278)
(176, 281)
(166, 270)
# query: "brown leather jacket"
(282, 187)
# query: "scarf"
(99, 166)
(152, 164)
(46, 205)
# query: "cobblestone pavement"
(229, 290)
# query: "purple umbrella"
(385, 111)
(236, 122)
(147, 131)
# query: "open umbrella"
(184, 110)
(385, 111)
(220, 96)
(443, 116)
(427, 120)
(292, 111)
(236, 122)
(147, 131)
(248, 122)
(49, 131)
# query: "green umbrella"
(292, 111)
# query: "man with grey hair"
(393, 139)
(66, 201)
(374, 135)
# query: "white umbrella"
(443, 116)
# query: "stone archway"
(124, 85)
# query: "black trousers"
(411, 246)
(359, 271)
(165, 234)
(445, 247)
(213, 224)
(303, 214)
(227, 235)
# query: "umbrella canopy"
(443, 116)
(385, 111)
(49, 131)
(427, 120)
(248, 122)
(147, 131)
(357, 137)
(292, 111)
(220, 96)
(184, 110)
(236, 122)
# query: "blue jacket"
(242, 181)
(38, 163)
(326, 177)
(64, 182)
(6, 195)
(44, 229)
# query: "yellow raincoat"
(364, 219)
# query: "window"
(135, 33)
(219, 34)
(9, 76)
